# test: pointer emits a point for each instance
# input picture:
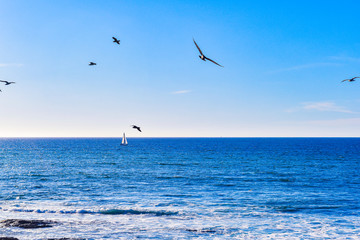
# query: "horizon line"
(119, 137)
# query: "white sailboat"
(124, 141)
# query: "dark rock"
(26, 223)
(8, 238)
(201, 230)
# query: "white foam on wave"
(75, 222)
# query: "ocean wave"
(225, 185)
(103, 212)
(173, 164)
(180, 195)
(137, 212)
(289, 209)
(169, 177)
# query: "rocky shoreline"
(30, 224)
(11, 238)
(26, 223)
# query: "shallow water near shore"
(166, 188)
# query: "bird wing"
(345, 80)
(198, 47)
(3, 81)
(213, 62)
(114, 38)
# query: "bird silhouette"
(6, 82)
(116, 40)
(92, 63)
(203, 57)
(136, 127)
(350, 80)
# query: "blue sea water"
(182, 188)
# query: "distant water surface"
(185, 188)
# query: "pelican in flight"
(136, 127)
(6, 82)
(202, 56)
(350, 80)
(116, 40)
(92, 63)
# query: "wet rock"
(201, 230)
(26, 223)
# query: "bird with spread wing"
(203, 57)
(350, 79)
(116, 40)
(6, 82)
(136, 127)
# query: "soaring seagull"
(116, 40)
(350, 80)
(92, 63)
(136, 127)
(202, 56)
(6, 82)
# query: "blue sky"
(283, 66)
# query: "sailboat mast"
(124, 141)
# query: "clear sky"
(283, 66)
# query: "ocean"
(182, 188)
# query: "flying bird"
(202, 56)
(6, 82)
(92, 63)
(116, 40)
(136, 127)
(350, 80)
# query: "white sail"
(124, 141)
